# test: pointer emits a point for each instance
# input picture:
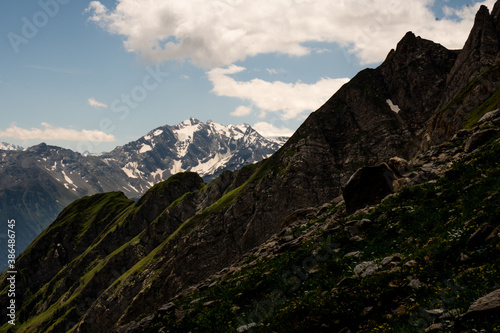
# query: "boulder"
(368, 186)
(485, 308)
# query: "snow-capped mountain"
(206, 148)
(9, 146)
(38, 182)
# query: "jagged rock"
(479, 138)
(478, 55)
(367, 186)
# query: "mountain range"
(301, 241)
(38, 182)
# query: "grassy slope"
(312, 285)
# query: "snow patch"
(158, 172)
(67, 179)
(393, 107)
(145, 148)
(176, 168)
(211, 165)
(187, 132)
(157, 132)
(131, 170)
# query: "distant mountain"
(205, 148)
(9, 146)
(38, 182)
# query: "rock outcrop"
(472, 84)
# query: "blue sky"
(89, 75)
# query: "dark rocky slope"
(178, 235)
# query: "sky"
(93, 75)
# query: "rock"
(368, 186)
(387, 260)
(452, 314)
(478, 54)
(410, 263)
(245, 328)
(479, 138)
(415, 283)
(367, 310)
(167, 308)
(485, 308)
(365, 269)
(355, 254)
(357, 238)
(479, 236)
(464, 257)
(435, 312)
(399, 165)
(438, 327)
(489, 116)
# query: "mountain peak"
(9, 146)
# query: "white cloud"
(50, 132)
(290, 99)
(268, 130)
(241, 111)
(95, 104)
(221, 32)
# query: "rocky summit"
(381, 213)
